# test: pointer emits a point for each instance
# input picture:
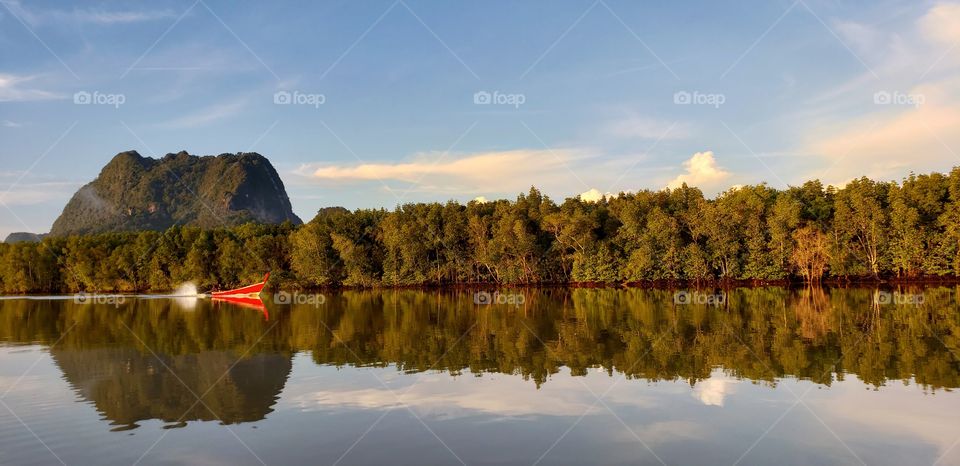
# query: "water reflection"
(151, 358)
(128, 385)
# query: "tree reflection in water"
(238, 362)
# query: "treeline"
(867, 229)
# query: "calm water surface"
(411, 377)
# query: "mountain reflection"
(127, 385)
(151, 359)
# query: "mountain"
(134, 192)
(24, 237)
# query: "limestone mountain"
(24, 237)
(134, 192)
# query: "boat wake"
(186, 291)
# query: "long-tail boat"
(243, 292)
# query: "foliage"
(866, 229)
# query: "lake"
(554, 376)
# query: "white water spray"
(186, 289)
(186, 296)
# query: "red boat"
(246, 291)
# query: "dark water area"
(551, 376)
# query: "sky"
(377, 103)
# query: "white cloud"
(119, 17)
(637, 127)
(888, 141)
(10, 124)
(860, 36)
(942, 24)
(702, 172)
(903, 55)
(38, 192)
(897, 59)
(594, 195)
(14, 88)
(37, 17)
(886, 145)
(481, 199)
(487, 172)
(194, 62)
(205, 115)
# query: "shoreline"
(859, 282)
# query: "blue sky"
(392, 96)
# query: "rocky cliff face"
(24, 237)
(134, 192)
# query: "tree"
(947, 240)
(660, 255)
(231, 257)
(749, 208)
(313, 258)
(862, 220)
(572, 229)
(201, 260)
(782, 222)
(722, 238)
(811, 253)
(907, 240)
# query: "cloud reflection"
(442, 397)
(713, 391)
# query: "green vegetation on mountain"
(865, 230)
(134, 193)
